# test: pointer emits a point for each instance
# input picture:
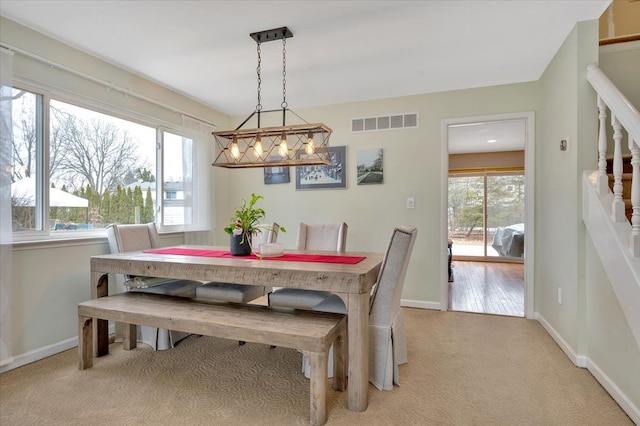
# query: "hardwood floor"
(492, 288)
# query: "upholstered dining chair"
(238, 293)
(387, 340)
(326, 237)
(124, 238)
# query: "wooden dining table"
(351, 282)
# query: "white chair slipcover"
(125, 238)
(387, 340)
(329, 237)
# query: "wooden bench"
(311, 332)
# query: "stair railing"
(623, 116)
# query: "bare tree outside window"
(24, 134)
(95, 150)
(97, 164)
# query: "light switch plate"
(411, 203)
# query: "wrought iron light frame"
(287, 145)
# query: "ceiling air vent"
(385, 122)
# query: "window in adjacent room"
(486, 214)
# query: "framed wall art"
(329, 176)
(370, 167)
(273, 175)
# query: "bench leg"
(339, 363)
(318, 390)
(85, 342)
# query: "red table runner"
(293, 257)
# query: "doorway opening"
(489, 211)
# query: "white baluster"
(603, 179)
(617, 207)
(635, 197)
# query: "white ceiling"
(491, 136)
(340, 52)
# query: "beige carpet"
(464, 369)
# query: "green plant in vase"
(246, 223)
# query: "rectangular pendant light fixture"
(286, 145)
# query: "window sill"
(35, 242)
(66, 239)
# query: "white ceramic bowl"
(271, 250)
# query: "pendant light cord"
(259, 104)
(284, 79)
(284, 74)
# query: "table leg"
(339, 362)
(130, 337)
(358, 341)
(100, 288)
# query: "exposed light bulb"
(284, 149)
(257, 148)
(235, 150)
(309, 148)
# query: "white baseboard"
(578, 361)
(632, 410)
(42, 353)
(585, 362)
(420, 304)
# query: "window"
(178, 179)
(91, 169)
(485, 211)
(26, 165)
